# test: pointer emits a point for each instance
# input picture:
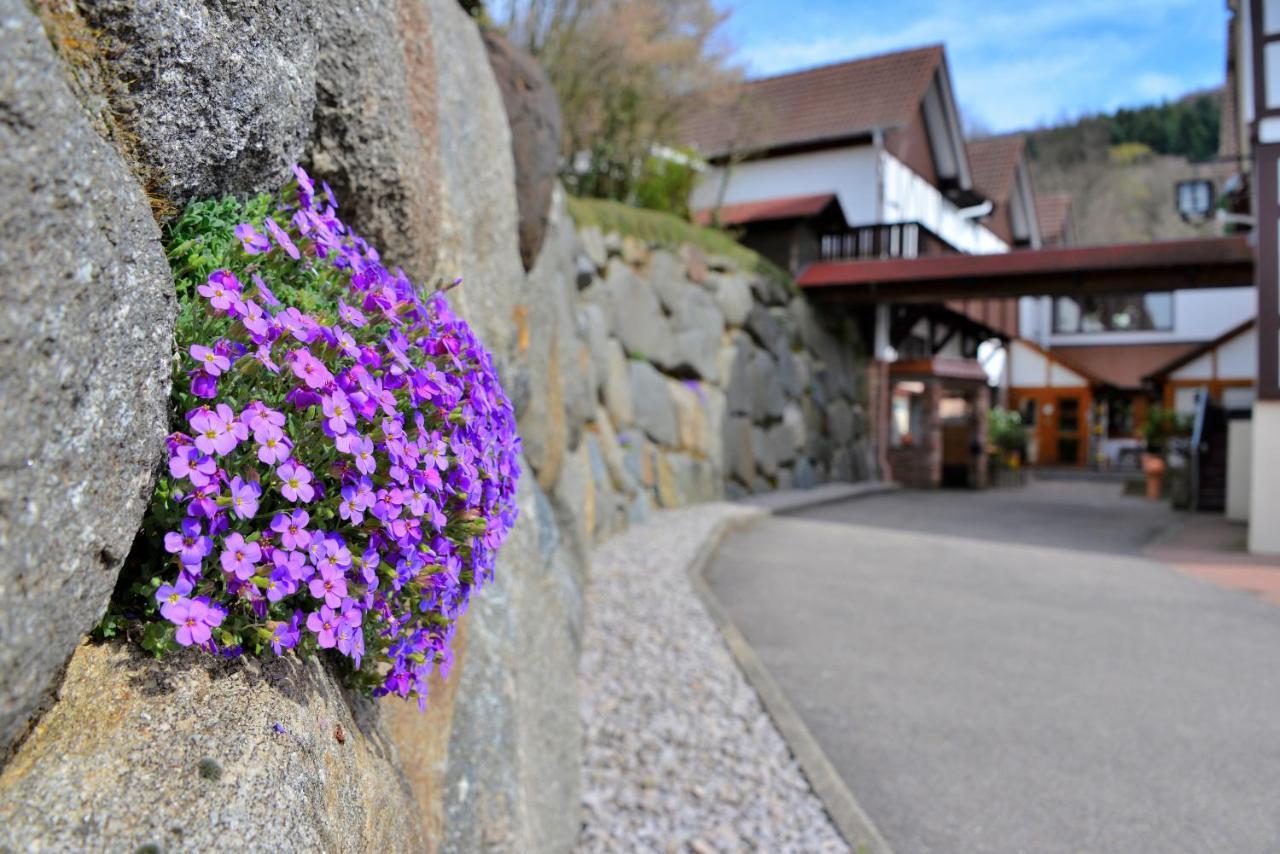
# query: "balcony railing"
(865, 242)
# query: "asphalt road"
(1055, 693)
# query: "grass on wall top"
(670, 232)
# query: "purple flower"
(309, 369)
(337, 409)
(282, 239)
(169, 595)
(292, 528)
(295, 482)
(294, 564)
(240, 558)
(286, 636)
(281, 582)
(351, 315)
(214, 435)
(324, 624)
(209, 360)
(195, 619)
(274, 448)
(330, 585)
(191, 546)
(253, 242)
(244, 497)
(362, 449)
(222, 290)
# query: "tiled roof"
(832, 102)
(993, 162)
(1052, 212)
(789, 207)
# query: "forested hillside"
(1121, 167)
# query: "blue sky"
(1015, 63)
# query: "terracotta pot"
(1153, 466)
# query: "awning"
(1215, 262)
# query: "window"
(1113, 313)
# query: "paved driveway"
(1005, 672)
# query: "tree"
(623, 70)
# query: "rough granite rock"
(740, 448)
(698, 328)
(378, 155)
(198, 753)
(636, 317)
(477, 214)
(220, 95)
(86, 328)
(666, 274)
(655, 411)
(768, 400)
(513, 781)
(733, 294)
(533, 114)
(616, 391)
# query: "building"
(856, 178)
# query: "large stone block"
(655, 412)
(636, 317)
(699, 328)
(763, 449)
(513, 776)
(840, 422)
(379, 157)
(611, 452)
(691, 416)
(534, 116)
(666, 274)
(86, 332)
(199, 753)
(733, 295)
(767, 401)
(616, 391)
(739, 448)
(220, 95)
(736, 359)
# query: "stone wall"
(702, 381)
(642, 377)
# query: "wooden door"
(1064, 426)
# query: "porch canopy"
(1215, 262)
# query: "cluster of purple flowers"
(350, 473)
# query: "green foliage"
(1187, 127)
(665, 184)
(1128, 153)
(1162, 425)
(670, 232)
(1005, 430)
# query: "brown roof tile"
(788, 207)
(827, 103)
(993, 162)
(1053, 211)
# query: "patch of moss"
(670, 232)
(103, 96)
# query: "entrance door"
(1057, 425)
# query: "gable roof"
(1196, 352)
(832, 102)
(1053, 211)
(787, 207)
(994, 163)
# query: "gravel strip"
(679, 754)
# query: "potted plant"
(1008, 436)
(1161, 425)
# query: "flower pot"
(1153, 466)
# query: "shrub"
(345, 461)
(1006, 431)
(1162, 425)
